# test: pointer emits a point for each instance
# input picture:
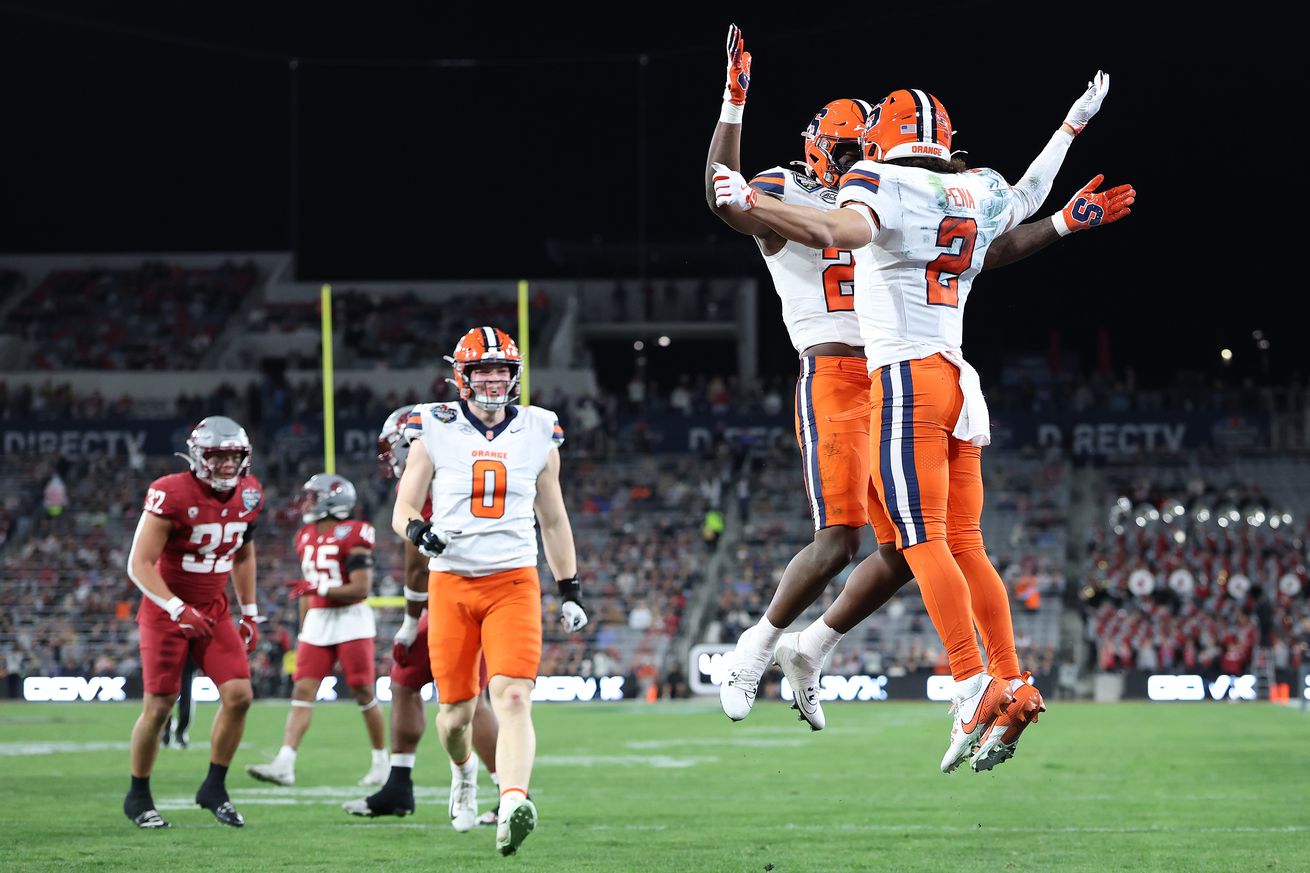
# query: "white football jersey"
(929, 241)
(816, 286)
(485, 483)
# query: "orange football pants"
(496, 617)
(930, 485)
(835, 447)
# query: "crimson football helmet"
(393, 447)
(213, 436)
(486, 346)
(326, 494)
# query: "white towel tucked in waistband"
(975, 424)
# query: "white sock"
(286, 755)
(403, 760)
(495, 780)
(511, 797)
(468, 771)
(764, 636)
(379, 757)
(817, 640)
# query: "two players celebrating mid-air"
(873, 249)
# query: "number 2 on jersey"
(490, 479)
(946, 292)
(839, 280)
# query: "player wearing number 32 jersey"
(195, 532)
(492, 469)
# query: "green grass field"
(676, 787)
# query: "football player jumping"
(336, 625)
(194, 532)
(921, 227)
(410, 667)
(816, 288)
(492, 468)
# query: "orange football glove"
(739, 68)
(1090, 208)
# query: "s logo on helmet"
(1086, 211)
(249, 498)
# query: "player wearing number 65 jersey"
(492, 469)
(336, 568)
(195, 532)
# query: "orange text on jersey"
(482, 453)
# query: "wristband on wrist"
(1060, 227)
(173, 606)
(250, 610)
(731, 112)
(570, 589)
(408, 623)
(416, 596)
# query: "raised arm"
(725, 145)
(840, 228)
(1087, 208)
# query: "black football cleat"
(398, 803)
(223, 810)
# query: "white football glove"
(572, 616)
(1089, 104)
(407, 632)
(731, 189)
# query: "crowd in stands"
(151, 316)
(1210, 582)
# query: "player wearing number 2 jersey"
(193, 534)
(921, 229)
(336, 569)
(816, 287)
(492, 469)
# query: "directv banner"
(1109, 437)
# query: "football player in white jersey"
(921, 229)
(816, 288)
(492, 468)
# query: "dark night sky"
(146, 129)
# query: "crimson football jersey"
(323, 555)
(207, 531)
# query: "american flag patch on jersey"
(909, 128)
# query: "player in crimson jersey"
(194, 532)
(336, 563)
(411, 668)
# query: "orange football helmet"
(832, 139)
(486, 346)
(908, 123)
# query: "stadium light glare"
(1262, 345)
(1226, 354)
(664, 342)
(638, 346)
(1180, 537)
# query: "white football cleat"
(514, 825)
(377, 774)
(979, 701)
(276, 773)
(737, 693)
(803, 676)
(463, 802)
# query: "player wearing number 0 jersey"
(921, 229)
(336, 569)
(492, 469)
(411, 669)
(195, 532)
